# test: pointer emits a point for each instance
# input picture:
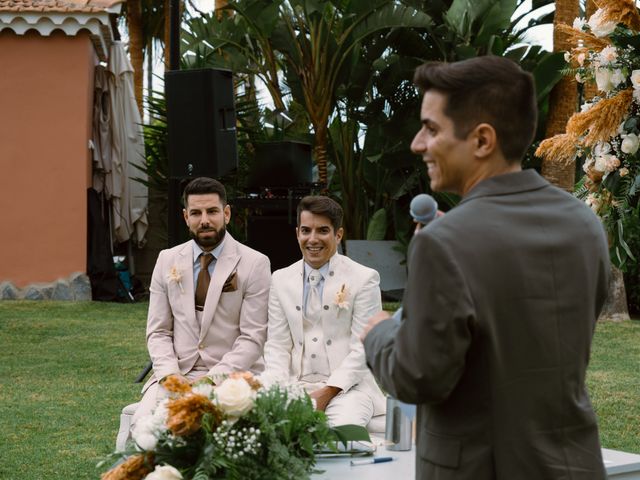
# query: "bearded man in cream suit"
(207, 314)
(317, 308)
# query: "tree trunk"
(167, 33)
(320, 152)
(615, 307)
(136, 45)
(589, 89)
(562, 101)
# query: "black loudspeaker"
(281, 164)
(275, 236)
(201, 121)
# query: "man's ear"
(486, 140)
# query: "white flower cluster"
(295, 390)
(237, 442)
(148, 429)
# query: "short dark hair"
(487, 89)
(203, 186)
(321, 205)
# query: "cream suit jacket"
(341, 326)
(234, 325)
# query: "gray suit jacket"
(234, 325)
(499, 311)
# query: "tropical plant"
(314, 43)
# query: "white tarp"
(115, 165)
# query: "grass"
(67, 369)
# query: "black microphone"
(423, 208)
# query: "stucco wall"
(46, 91)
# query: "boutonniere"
(175, 276)
(341, 297)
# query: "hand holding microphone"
(423, 208)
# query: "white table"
(619, 465)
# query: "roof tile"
(68, 6)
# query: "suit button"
(326, 307)
(201, 346)
(298, 307)
(300, 343)
(313, 355)
(328, 342)
(331, 274)
(314, 339)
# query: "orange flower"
(135, 467)
(176, 384)
(185, 413)
(249, 378)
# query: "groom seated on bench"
(317, 309)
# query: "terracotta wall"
(46, 90)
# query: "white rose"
(600, 27)
(603, 79)
(234, 397)
(601, 148)
(630, 143)
(608, 55)
(587, 165)
(636, 95)
(164, 472)
(601, 163)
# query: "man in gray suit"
(502, 295)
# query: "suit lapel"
(225, 264)
(185, 264)
(296, 287)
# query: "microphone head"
(423, 208)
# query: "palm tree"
(563, 100)
(136, 46)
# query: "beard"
(211, 242)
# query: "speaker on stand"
(201, 122)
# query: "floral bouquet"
(239, 429)
(604, 135)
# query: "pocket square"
(231, 284)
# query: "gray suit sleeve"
(421, 359)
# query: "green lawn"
(67, 369)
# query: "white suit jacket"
(234, 320)
(341, 326)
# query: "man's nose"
(418, 145)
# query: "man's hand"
(373, 321)
(323, 396)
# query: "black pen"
(369, 461)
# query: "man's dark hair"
(320, 205)
(488, 89)
(204, 186)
